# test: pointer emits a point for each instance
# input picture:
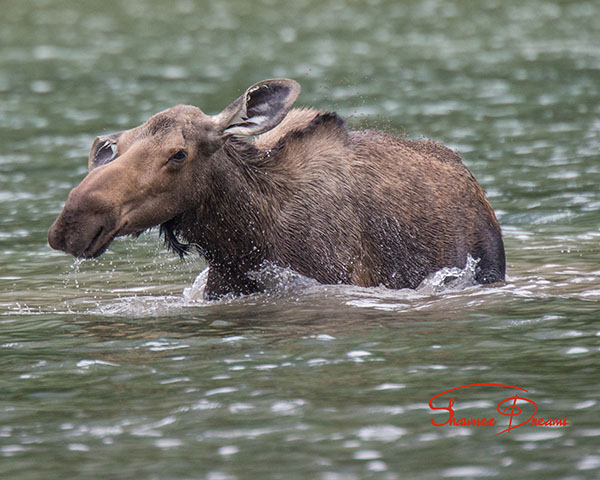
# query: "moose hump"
(262, 182)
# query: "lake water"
(109, 370)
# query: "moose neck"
(231, 225)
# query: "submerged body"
(340, 206)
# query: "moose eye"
(180, 156)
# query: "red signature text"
(508, 408)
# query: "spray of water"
(286, 284)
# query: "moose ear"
(104, 150)
(262, 107)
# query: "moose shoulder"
(340, 206)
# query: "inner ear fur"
(262, 107)
(104, 150)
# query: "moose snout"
(86, 226)
(55, 238)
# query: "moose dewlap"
(337, 205)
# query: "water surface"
(108, 370)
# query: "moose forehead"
(183, 118)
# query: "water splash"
(444, 289)
(195, 293)
(450, 279)
(286, 284)
(278, 282)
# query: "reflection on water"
(116, 368)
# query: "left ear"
(104, 150)
(262, 107)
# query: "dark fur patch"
(327, 121)
(327, 118)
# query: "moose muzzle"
(86, 226)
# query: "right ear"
(262, 107)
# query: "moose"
(261, 183)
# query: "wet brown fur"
(340, 206)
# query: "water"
(109, 370)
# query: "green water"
(107, 370)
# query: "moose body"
(340, 206)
